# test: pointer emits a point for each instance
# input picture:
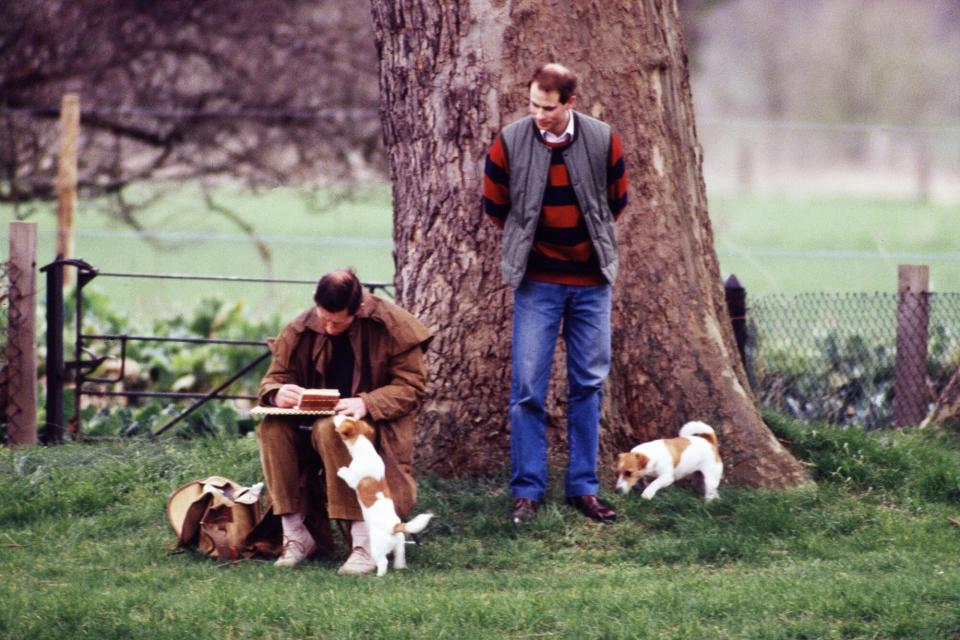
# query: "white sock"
(292, 524)
(360, 534)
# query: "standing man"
(555, 183)
(372, 352)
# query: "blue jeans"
(539, 308)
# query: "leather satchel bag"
(214, 515)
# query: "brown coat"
(388, 345)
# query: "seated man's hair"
(555, 77)
(339, 290)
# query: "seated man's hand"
(288, 396)
(353, 407)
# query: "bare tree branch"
(261, 92)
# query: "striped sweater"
(562, 252)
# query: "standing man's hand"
(353, 407)
(288, 396)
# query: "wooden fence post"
(67, 176)
(22, 336)
(910, 390)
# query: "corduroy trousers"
(289, 456)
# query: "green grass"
(768, 241)
(85, 552)
(305, 238)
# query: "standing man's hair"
(339, 290)
(555, 77)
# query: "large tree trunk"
(452, 74)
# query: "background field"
(797, 244)
(774, 244)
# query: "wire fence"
(829, 357)
(834, 356)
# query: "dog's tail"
(700, 429)
(416, 525)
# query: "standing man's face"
(547, 111)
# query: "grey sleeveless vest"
(529, 161)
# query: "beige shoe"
(358, 564)
(296, 549)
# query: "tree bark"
(452, 75)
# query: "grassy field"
(870, 552)
(774, 245)
(798, 245)
(304, 238)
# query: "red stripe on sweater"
(558, 175)
(575, 253)
(560, 217)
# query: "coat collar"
(405, 329)
(309, 319)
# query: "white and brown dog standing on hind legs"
(366, 475)
(670, 459)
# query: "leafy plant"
(169, 366)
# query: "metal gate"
(78, 371)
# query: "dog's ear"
(621, 462)
(364, 428)
(346, 427)
(640, 460)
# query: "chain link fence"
(833, 356)
(11, 351)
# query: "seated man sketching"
(371, 351)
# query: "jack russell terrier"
(365, 475)
(670, 459)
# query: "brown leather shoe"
(524, 510)
(592, 507)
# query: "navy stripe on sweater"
(541, 262)
(568, 237)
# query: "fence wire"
(834, 356)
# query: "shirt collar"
(563, 137)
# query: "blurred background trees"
(879, 61)
(280, 92)
(263, 92)
(838, 96)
